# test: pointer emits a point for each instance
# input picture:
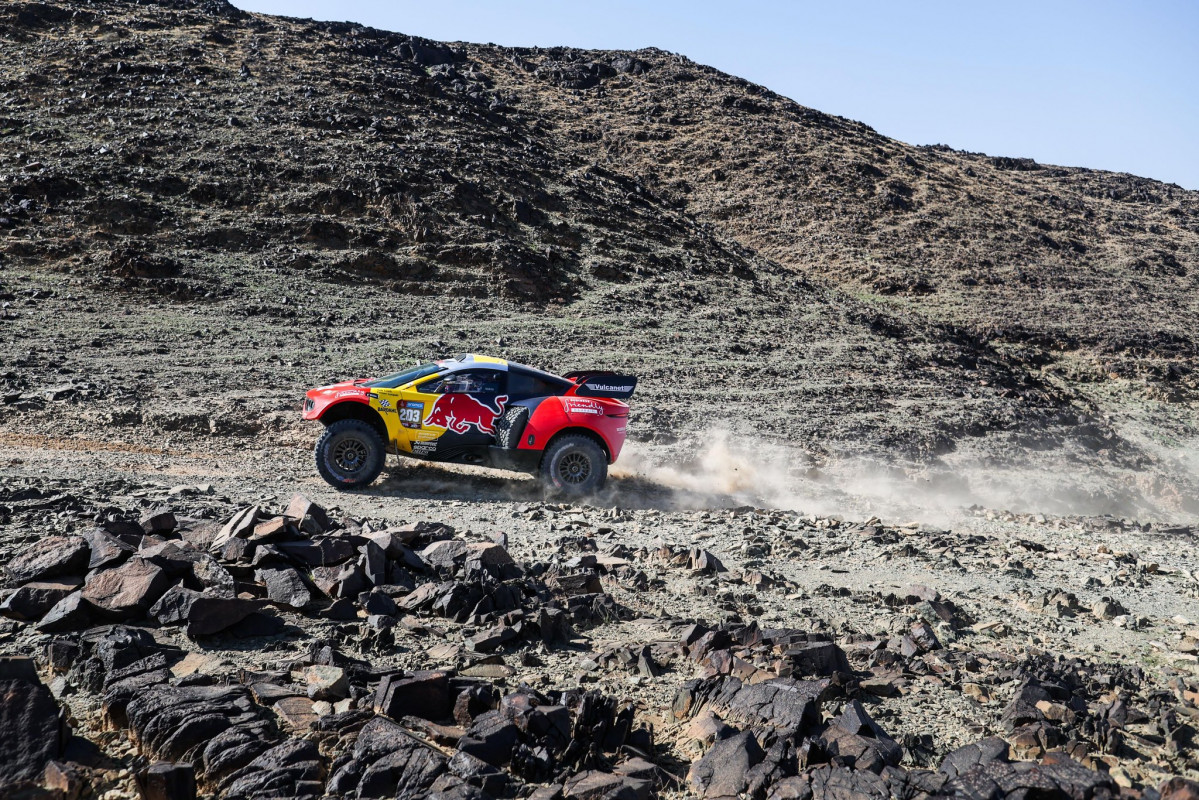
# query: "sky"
(1100, 84)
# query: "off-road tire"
(574, 466)
(345, 444)
(510, 426)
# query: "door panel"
(443, 423)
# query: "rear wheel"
(574, 466)
(349, 454)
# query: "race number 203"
(411, 414)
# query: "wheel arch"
(351, 409)
(579, 431)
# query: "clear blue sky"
(1102, 84)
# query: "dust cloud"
(723, 470)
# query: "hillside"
(909, 501)
(1063, 258)
(272, 203)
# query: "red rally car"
(475, 410)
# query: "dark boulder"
(106, 550)
(385, 759)
(166, 781)
(204, 613)
(32, 731)
(239, 526)
(31, 601)
(1179, 789)
(859, 740)
(724, 770)
(284, 586)
(832, 782)
(1057, 776)
(491, 737)
(173, 607)
(69, 614)
(1023, 706)
(424, 694)
(158, 522)
(193, 722)
(127, 591)
(785, 706)
(212, 615)
(310, 517)
(704, 562)
(49, 558)
(318, 552)
(207, 573)
(969, 756)
(292, 769)
(812, 659)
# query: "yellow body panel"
(409, 413)
(403, 411)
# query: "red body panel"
(326, 396)
(607, 418)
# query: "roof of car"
(474, 361)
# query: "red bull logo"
(458, 412)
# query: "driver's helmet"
(464, 384)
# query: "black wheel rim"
(350, 455)
(574, 468)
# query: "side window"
(523, 386)
(487, 382)
(433, 386)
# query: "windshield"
(400, 378)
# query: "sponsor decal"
(616, 386)
(351, 393)
(608, 387)
(372, 394)
(383, 401)
(583, 407)
(459, 412)
(411, 414)
(424, 448)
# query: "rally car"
(475, 409)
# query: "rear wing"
(599, 383)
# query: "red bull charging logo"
(458, 412)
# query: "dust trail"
(726, 470)
(721, 470)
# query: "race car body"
(477, 410)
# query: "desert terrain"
(908, 508)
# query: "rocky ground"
(449, 631)
(893, 522)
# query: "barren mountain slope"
(272, 203)
(1064, 258)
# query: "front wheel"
(349, 454)
(574, 466)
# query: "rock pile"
(233, 579)
(126, 611)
